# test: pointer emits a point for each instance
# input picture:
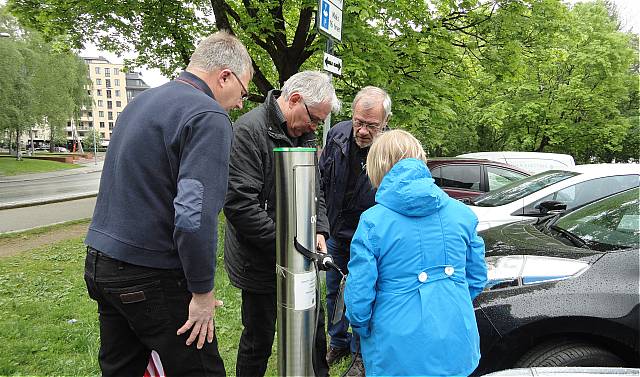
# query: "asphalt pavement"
(39, 199)
(40, 188)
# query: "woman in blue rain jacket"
(416, 265)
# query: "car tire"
(569, 354)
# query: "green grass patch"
(49, 325)
(10, 166)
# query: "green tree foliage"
(464, 75)
(92, 138)
(40, 83)
(558, 85)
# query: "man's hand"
(321, 245)
(201, 312)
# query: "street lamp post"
(95, 147)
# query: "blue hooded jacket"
(416, 265)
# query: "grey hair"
(221, 50)
(370, 97)
(314, 86)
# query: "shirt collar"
(196, 82)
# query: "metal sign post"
(329, 23)
(296, 279)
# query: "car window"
(458, 176)
(612, 221)
(586, 192)
(518, 190)
(499, 177)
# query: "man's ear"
(386, 127)
(223, 76)
(295, 97)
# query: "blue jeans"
(340, 337)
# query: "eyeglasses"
(313, 120)
(371, 127)
(244, 94)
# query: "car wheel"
(569, 354)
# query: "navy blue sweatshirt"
(164, 181)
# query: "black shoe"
(336, 354)
(356, 369)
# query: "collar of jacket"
(277, 124)
(196, 82)
(343, 135)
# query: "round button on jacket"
(448, 270)
(422, 277)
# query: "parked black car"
(563, 290)
(467, 178)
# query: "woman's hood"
(409, 189)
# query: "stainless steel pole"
(296, 279)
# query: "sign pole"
(327, 121)
(329, 23)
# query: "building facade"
(110, 94)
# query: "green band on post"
(294, 149)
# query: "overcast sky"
(629, 11)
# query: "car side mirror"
(551, 207)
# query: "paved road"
(17, 219)
(28, 191)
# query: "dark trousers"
(259, 321)
(338, 333)
(140, 310)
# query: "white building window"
(116, 71)
(106, 72)
(101, 114)
(116, 82)
(97, 70)
(117, 93)
(100, 103)
(99, 92)
(98, 82)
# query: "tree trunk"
(18, 156)
(10, 142)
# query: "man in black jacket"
(287, 118)
(348, 193)
(152, 243)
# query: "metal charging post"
(296, 279)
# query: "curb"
(47, 201)
(26, 178)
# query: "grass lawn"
(49, 325)
(11, 166)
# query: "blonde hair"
(388, 149)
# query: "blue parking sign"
(324, 19)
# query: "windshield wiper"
(570, 236)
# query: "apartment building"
(109, 97)
(110, 93)
(135, 85)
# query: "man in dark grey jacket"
(152, 243)
(287, 118)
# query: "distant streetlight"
(5, 35)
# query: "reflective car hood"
(522, 238)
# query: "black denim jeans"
(140, 310)
(259, 321)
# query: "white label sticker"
(304, 286)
